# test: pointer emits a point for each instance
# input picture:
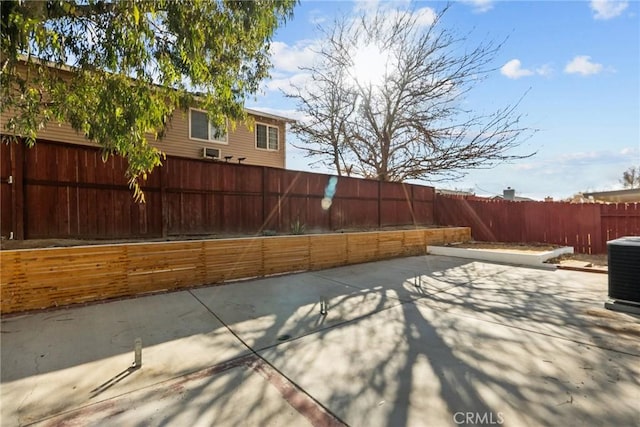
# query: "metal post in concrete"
(137, 349)
(323, 306)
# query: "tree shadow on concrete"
(412, 341)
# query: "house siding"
(241, 142)
(176, 141)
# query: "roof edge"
(269, 115)
(69, 68)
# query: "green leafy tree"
(121, 68)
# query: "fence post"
(164, 208)
(379, 204)
(416, 221)
(18, 189)
(435, 213)
(598, 246)
(330, 213)
(264, 198)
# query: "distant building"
(510, 194)
(618, 196)
(446, 192)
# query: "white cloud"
(316, 17)
(425, 16)
(368, 6)
(526, 166)
(582, 65)
(583, 157)
(572, 161)
(291, 58)
(288, 59)
(513, 70)
(288, 83)
(546, 70)
(607, 9)
(565, 174)
(480, 6)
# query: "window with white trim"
(201, 128)
(267, 137)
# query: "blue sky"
(578, 60)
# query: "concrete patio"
(420, 341)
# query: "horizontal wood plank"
(41, 278)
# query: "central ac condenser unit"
(624, 274)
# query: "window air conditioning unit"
(624, 274)
(211, 153)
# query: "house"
(617, 196)
(510, 194)
(189, 134)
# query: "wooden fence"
(59, 190)
(41, 278)
(587, 226)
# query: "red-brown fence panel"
(620, 219)
(7, 188)
(70, 192)
(62, 190)
(355, 204)
(586, 226)
(396, 204)
(423, 201)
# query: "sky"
(577, 64)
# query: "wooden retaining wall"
(42, 278)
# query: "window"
(266, 137)
(201, 128)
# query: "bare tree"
(410, 123)
(328, 102)
(631, 178)
(328, 108)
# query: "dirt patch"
(571, 260)
(61, 243)
(600, 260)
(6, 244)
